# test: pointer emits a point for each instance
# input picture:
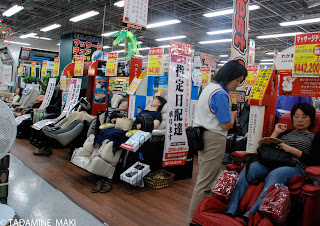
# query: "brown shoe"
(43, 151)
(107, 185)
(97, 187)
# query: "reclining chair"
(210, 210)
(28, 98)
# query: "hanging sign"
(87, 46)
(44, 68)
(240, 25)
(155, 61)
(261, 84)
(253, 71)
(298, 86)
(252, 51)
(307, 55)
(79, 65)
(7, 74)
(63, 82)
(284, 60)
(112, 64)
(136, 82)
(237, 96)
(179, 93)
(135, 14)
(20, 70)
(49, 92)
(56, 66)
(206, 75)
(33, 69)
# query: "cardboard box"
(4, 162)
(135, 173)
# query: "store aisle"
(33, 198)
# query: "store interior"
(76, 75)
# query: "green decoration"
(130, 40)
(5, 32)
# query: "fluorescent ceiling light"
(18, 43)
(163, 23)
(165, 46)
(118, 51)
(170, 38)
(266, 60)
(145, 48)
(119, 4)
(219, 32)
(28, 35)
(266, 63)
(51, 27)
(45, 38)
(270, 53)
(220, 65)
(216, 41)
(279, 35)
(123, 44)
(107, 47)
(227, 11)
(36, 37)
(223, 61)
(223, 55)
(296, 22)
(58, 44)
(84, 16)
(109, 33)
(13, 10)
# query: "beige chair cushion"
(124, 124)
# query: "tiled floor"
(52, 205)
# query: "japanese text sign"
(79, 65)
(237, 96)
(56, 66)
(307, 55)
(20, 70)
(85, 45)
(112, 64)
(33, 69)
(44, 68)
(261, 84)
(135, 13)
(178, 48)
(206, 75)
(155, 61)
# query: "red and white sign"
(79, 66)
(44, 68)
(56, 66)
(112, 64)
(206, 75)
(135, 13)
(179, 93)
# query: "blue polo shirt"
(220, 104)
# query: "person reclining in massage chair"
(119, 112)
(300, 142)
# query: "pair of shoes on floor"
(43, 151)
(102, 186)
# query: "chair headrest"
(286, 119)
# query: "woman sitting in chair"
(17, 97)
(300, 142)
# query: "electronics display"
(37, 54)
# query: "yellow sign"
(261, 84)
(154, 64)
(206, 75)
(307, 55)
(56, 66)
(33, 69)
(112, 64)
(20, 70)
(44, 68)
(79, 65)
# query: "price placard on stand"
(260, 85)
(155, 61)
(56, 66)
(79, 65)
(44, 68)
(206, 75)
(20, 70)
(33, 69)
(307, 55)
(112, 64)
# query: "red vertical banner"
(135, 68)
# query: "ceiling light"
(266, 63)
(270, 53)
(109, 33)
(219, 32)
(223, 61)
(123, 44)
(220, 65)
(296, 22)
(51, 27)
(19, 43)
(216, 41)
(163, 23)
(36, 37)
(13, 10)
(119, 4)
(84, 16)
(58, 44)
(145, 48)
(227, 11)
(107, 47)
(118, 51)
(223, 55)
(165, 46)
(45, 38)
(266, 60)
(28, 35)
(279, 35)
(170, 38)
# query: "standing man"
(214, 115)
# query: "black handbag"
(273, 157)
(195, 137)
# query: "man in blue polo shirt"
(214, 115)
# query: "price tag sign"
(44, 68)
(20, 71)
(79, 65)
(206, 74)
(56, 66)
(112, 64)
(33, 69)
(307, 55)
(261, 84)
(155, 61)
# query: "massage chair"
(304, 193)
(28, 98)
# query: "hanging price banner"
(44, 68)
(155, 61)
(79, 65)
(20, 70)
(307, 55)
(112, 64)
(56, 66)
(33, 69)
(206, 75)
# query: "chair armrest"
(158, 132)
(242, 156)
(313, 173)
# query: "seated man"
(119, 112)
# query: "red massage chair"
(303, 190)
